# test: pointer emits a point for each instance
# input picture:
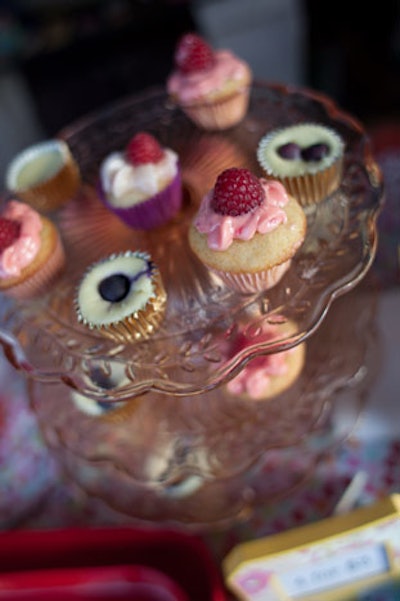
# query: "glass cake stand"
(175, 445)
(207, 460)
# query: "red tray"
(108, 563)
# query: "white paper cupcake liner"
(220, 114)
(250, 283)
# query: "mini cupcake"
(211, 86)
(307, 158)
(247, 230)
(122, 297)
(45, 175)
(142, 185)
(31, 251)
(108, 378)
(266, 376)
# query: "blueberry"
(315, 152)
(114, 288)
(291, 151)
(101, 379)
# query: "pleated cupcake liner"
(220, 114)
(56, 190)
(310, 189)
(153, 212)
(250, 283)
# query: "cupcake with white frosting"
(142, 185)
(122, 297)
(45, 175)
(307, 158)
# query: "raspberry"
(192, 53)
(9, 232)
(144, 148)
(236, 192)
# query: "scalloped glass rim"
(205, 459)
(183, 358)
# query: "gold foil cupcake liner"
(308, 186)
(45, 175)
(310, 189)
(141, 324)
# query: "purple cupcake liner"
(153, 212)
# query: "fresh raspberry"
(236, 192)
(192, 53)
(144, 148)
(9, 232)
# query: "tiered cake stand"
(175, 446)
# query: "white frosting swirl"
(125, 184)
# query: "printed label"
(335, 570)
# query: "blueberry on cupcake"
(122, 297)
(307, 158)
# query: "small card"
(351, 557)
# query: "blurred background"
(60, 59)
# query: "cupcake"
(31, 251)
(107, 378)
(307, 158)
(247, 230)
(142, 185)
(174, 468)
(266, 376)
(211, 86)
(45, 175)
(122, 297)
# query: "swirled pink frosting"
(221, 230)
(254, 378)
(192, 87)
(19, 254)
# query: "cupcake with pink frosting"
(266, 376)
(142, 185)
(247, 230)
(211, 86)
(31, 251)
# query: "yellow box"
(337, 559)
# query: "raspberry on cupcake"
(307, 158)
(247, 230)
(31, 251)
(211, 86)
(142, 185)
